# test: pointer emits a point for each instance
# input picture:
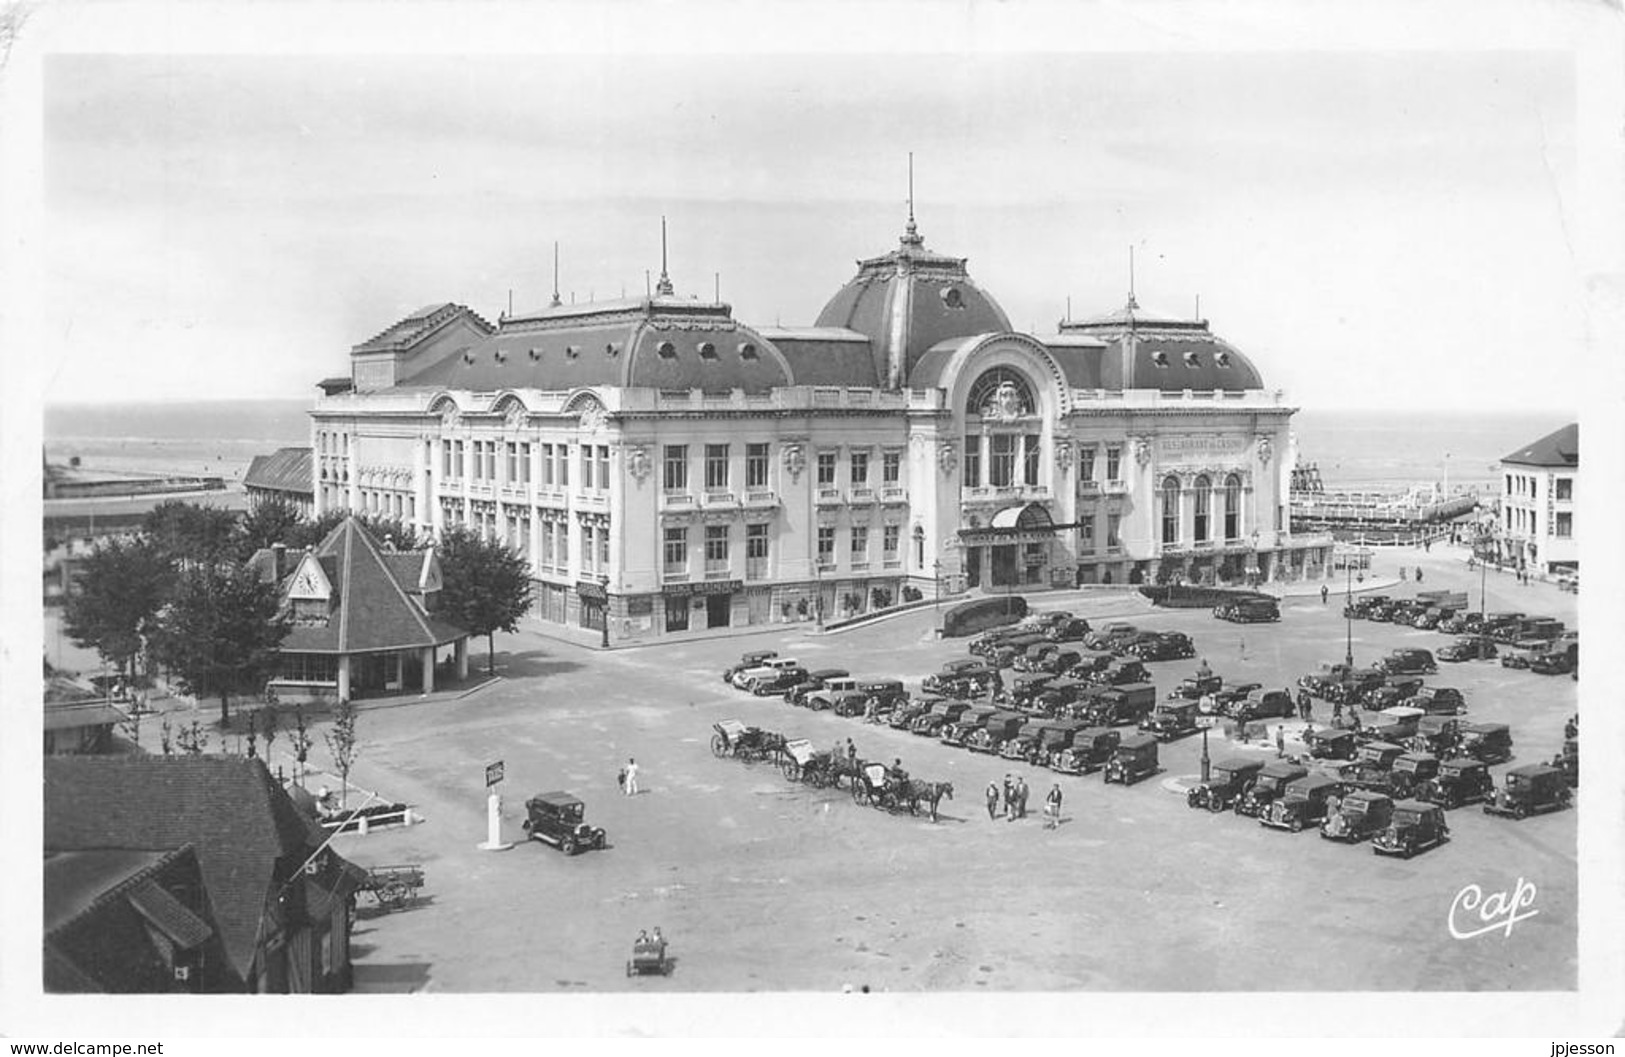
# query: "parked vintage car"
(747, 661)
(815, 681)
(1249, 611)
(1134, 758)
(1375, 760)
(1038, 742)
(1192, 687)
(763, 682)
(1530, 790)
(1398, 723)
(1362, 815)
(1409, 661)
(1032, 658)
(1329, 743)
(939, 715)
(557, 818)
(995, 731)
(1552, 662)
(1459, 781)
(1355, 685)
(955, 676)
(1489, 742)
(1410, 772)
(1397, 690)
(1263, 704)
(1270, 784)
(1360, 607)
(1228, 779)
(1329, 675)
(823, 700)
(1415, 826)
(1438, 701)
(768, 669)
(1118, 706)
(1227, 695)
(1104, 638)
(849, 703)
(1302, 803)
(1437, 734)
(1090, 750)
(971, 719)
(1005, 653)
(1072, 629)
(1163, 646)
(886, 694)
(1091, 662)
(903, 716)
(1171, 719)
(1059, 694)
(1461, 623)
(1468, 648)
(1120, 672)
(1024, 688)
(984, 644)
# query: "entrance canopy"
(1021, 523)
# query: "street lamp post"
(936, 572)
(1348, 610)
(1207, 763)
(818, 591)
(603, 578)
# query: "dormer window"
(708, 351)
(468, 357)
(535, 355)
(953, 298)
(1221, 359)
(572, 351)
(1160, 359)
(747, 351)
(612, 350)
(1191, 360)
(500, 355)
(667, 350)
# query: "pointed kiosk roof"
(372, 610)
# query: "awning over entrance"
(1021, 523)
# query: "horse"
(931, 792)
(843, 767)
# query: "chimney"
(278, 551)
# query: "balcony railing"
(1115, 487)
(761, 497)
(863, 494)
(894, 494)
(715, 570)
(720, 498)
(829, 495)
(672, 575)
(1088, 486)
(677, 497)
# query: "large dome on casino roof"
(908, 300)
(1159, 350)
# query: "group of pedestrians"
(1013, 798)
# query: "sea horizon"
(1354, 448)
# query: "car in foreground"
(1228, 779)
(558, 818)
(1171, 719)
(1414, 826)
(1408, 661)
(940, 714)
(747, 661)
(1091, 749)
(1469, 648)
(1362, 815)
(1459, 781)
(1249, 611)
(1270, 784)
(1134, 759)
(1533, 789)
(1303, 803)
(1488, 742)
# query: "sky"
(1373, 228)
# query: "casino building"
(669, 468)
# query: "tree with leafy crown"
(220, 632)
(118, 591)
(486, 586)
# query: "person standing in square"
(631, 777)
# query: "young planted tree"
(194, 740)
(220, 632)
(486, 586)
(119, 589)
(342, 745)
(301, 741)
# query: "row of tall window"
(1087, 457)
(1203, 494)
(718, 542)
(1012, 458)
(1087, 543)
(718, 467)
(477, 460)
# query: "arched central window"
(1204, 502)
(1170, 509)
(1232, 507)
(1001, 393)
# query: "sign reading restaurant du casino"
(1195, 447)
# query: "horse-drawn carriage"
(743, 742)
(875, 784)
(649, 956)
(393, 886)
(800, 762)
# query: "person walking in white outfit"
(631, 777)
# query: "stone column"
(462, 658)
(428, 669)
(344, 677)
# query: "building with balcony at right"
(1538, 482)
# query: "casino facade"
(669, 468)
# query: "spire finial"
(555, 273)
(663, 287)
(911, 234)
(1131, 302)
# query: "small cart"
(393, 886)
(648, 956)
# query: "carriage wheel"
(860, 795)
(818, 777)
(791, 769)
(719, 745)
